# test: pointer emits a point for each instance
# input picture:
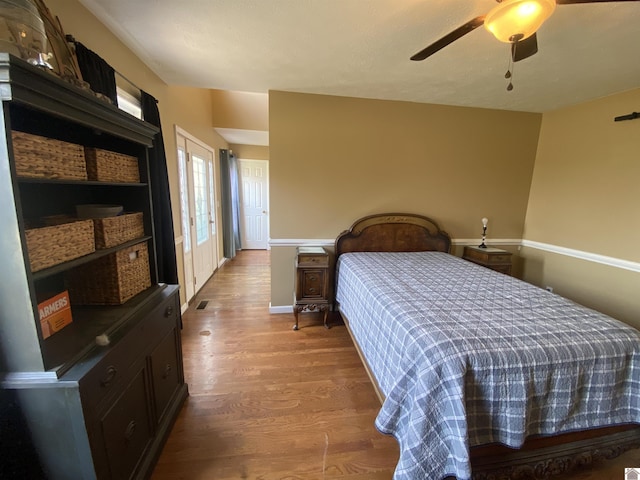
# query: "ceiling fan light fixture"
(513, 20)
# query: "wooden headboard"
(393, 232)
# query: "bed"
(481, 375)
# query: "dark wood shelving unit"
(94, 409)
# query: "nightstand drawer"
(490, 257)
(499, 259)
(313, 283)
(501, 268)
(313, 260)
(312, 257)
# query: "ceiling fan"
(511, 21)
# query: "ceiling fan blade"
(449, 38)
(524, 48)
(571, 2)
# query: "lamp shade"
(513, 20)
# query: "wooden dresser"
(490, 257)
(311, 282)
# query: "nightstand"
(311, 282)
(490, 257)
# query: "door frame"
(182, 138)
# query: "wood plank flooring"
(268, 403)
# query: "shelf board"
(66, 347)
(93, 183)
(47, 272)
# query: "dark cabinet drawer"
(161, 320)
(109, 374)
(165, 373)
(126, 428)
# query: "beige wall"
(585, 196)
(335, 159)
(242, 110)
(250, 152)
(189, 108)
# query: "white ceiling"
(361, 48)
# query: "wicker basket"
(106, 166)
(111, 280)
(112, 231)
(41, 157)
(49, 246)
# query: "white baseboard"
(280, 309)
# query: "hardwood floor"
(269, 403)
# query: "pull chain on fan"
(518, 47)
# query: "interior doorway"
(254, 204)
(197, 175)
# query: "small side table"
(490, 257)
(311, 282)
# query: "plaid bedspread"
(468, 356)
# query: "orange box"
(55, 314)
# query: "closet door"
(254, 199)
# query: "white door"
(185, 219)
(204, 243)
(254, 204)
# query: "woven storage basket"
(41, 157)
(106, 166)
(112, 231)
(113, 279)
(49, 246)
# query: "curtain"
(230, 203)
(162, 216)
(96, 72)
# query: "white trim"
(280, 309)
(330, 242)
(299, 242)
(184, 307)
(591, 257)
(489, 241)
(182, 132)
(582, 255)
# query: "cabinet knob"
(313, 279)
(130, 430)
(167, 371)
(169, 311)
(110, 376)
(312, 290)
